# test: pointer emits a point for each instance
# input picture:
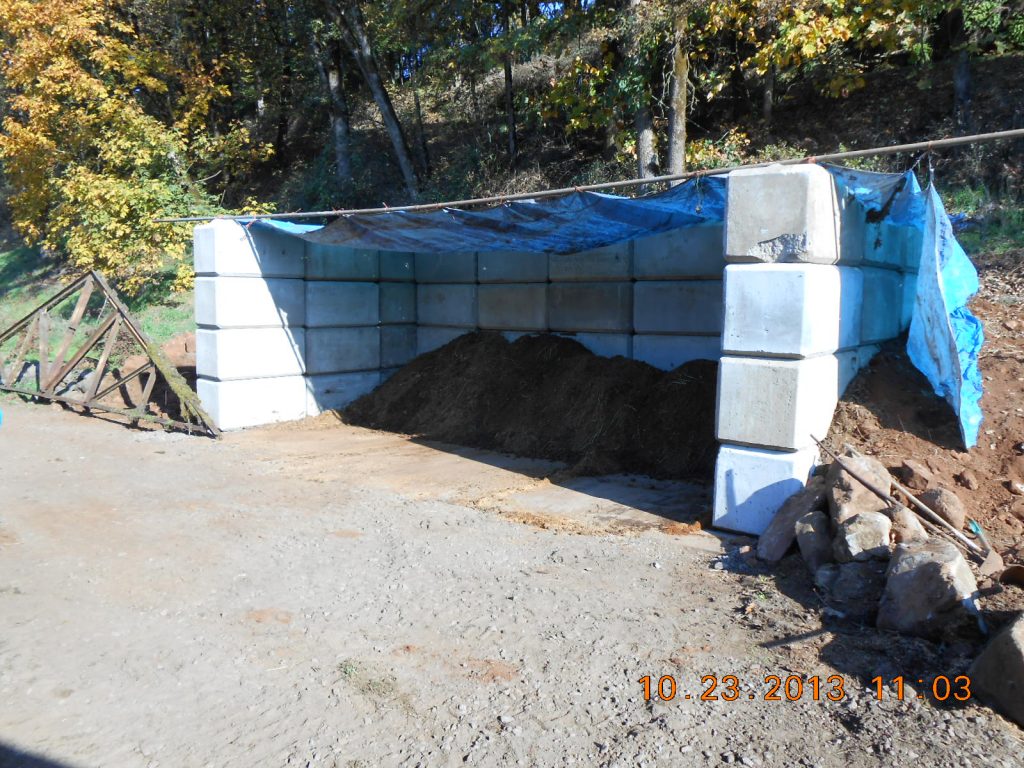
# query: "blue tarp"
(944, 340)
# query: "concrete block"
(341, 350)
(398, 302)
(751, 484)
(612, 262)
(678, 306)
(337, 262)
(453, 305)
(512, 267)
(782, 213)
(458, 267)
(883, 308)
(330, 304)
(250, 353)
(397, 265)
(688, 253)
(332, 391)
(223, 247)
(882, 246)
(429, 337)
(909, 299)
(776, 403)
(852, 229)
(397, 345)
(668, 352)
(791, 309)
(387, 373)
(604, 344)
(250, 402)
(253, 302)
(520, 306)
(590, 306)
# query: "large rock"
(997, 675)
(865, 536)
(778, 536)
(929, 588)
(853, 589)
(906, 526)
(946, 505)
(916, 476)
(847, 496)
(814, 537)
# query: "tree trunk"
(331, 74)
(679, 94)
(768, 97)
(510, 106)
(424, 151)
(646, 156)
(962, 94)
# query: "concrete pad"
(693, 252)
(512, 267)
(250, 402)
(330, 304)
(795, 310)
(250, 353)
(459, 267)
(776, 403)
(453, 305)
(668, 352)
(678, 306)
(590, 306)
(398, 302)
(397, 265)
(612, 262)
(397, 345)
(337, 262)
(223, 247)
(521, 306)
(341, 350)
(751, 484)
(429, 337)
(332, 391)
(883, 306)
(782, 213)
(604, 344)
(249, 302)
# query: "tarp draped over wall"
(945, 338)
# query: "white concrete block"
(337, 262)
(512, 267)
(341, 350)
(883, 306)
(223, 247)
(852, 229)
(397, 265)
(612, 262)
(776, 403)
(251, 402)
(909, 299)
(668, 352)
(521, 306)
(330, 304)
(453, 305)
(601, 307)
(791, 309)
(249, 302)
(429, 337)
(678, 306)
(458, 267)
(604, 344)
(688, 253)
(250, 353)
(332, 391)
(751, 485)
(398, 303)
(397, 345)
(782, 213)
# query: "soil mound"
(549, 397)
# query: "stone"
(947, 505)
(847, 496)
(1016, 488)
(916, 476)
(781, 531)
(814, 538)
(997, 675)
(864, 536)
(929, 589)
(906, 526)
(855, 589)
(968, 479)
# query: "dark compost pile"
(549, 397)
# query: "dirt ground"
(327, 595)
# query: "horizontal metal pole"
(921, 146)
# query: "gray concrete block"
(338, 262)
(453, 305)
(751, 484)
(249, 353)
(520, 307)
(397, 345)
(341, 350)
(678, 306)
(604, 344)
(429, 337)
(332, 391)
(590, 306)
(251, 402)
(693, 252)
(512, 267)
(397, 303)
(612, 262)
(330, 304)
(397, 265)
(909, 300)
(387, 373)
(249, 302)
(457, 267)
(668, 352)
(222, 247)
(883, 308)
(853, 226)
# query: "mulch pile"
(549, 397)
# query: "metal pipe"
(921, 146)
